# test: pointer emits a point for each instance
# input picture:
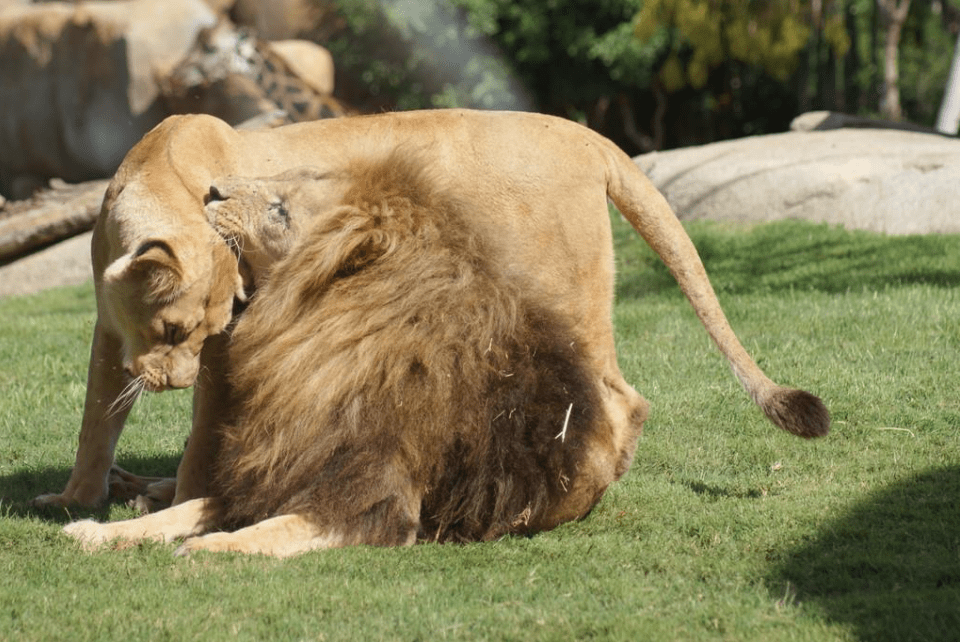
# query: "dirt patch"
(66, 263)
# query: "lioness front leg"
(104, 411)
(167, 525)
(211, 407)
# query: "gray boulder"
(78, 83)
(884, 180)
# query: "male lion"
(392, 383)
(535, 188)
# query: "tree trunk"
(50, 216)
(948, 120)
(851, 64)
(894, 13)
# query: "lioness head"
(257, 218)
(164, 297)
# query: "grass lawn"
(724, 529)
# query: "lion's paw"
(89, 533)
(127, 486)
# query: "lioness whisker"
(235, 241)
(126, 398)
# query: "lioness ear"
(154, 265)
(227, 264)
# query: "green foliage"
(797, 255)
(553, 56)
(768, 34)
(926, 50)
(647, 73)
(724, 528)
(407, 54)
(586, 44)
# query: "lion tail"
(796, 411)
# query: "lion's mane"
(392, 382)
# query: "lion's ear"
(153, 265)
(348, 248)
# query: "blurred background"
(650, 74)
(80, 82)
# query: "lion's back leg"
(621, 410)
(604, 456)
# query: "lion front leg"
(185, 520)
(282, 536)
(108, 401)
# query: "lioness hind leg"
(189, 518)
(281, 536)
(158, 496)
(127, 486)
(606, 454)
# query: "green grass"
(724, 529)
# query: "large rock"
(78, 83)
(898, 182)
(279, 19)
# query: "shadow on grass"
(717, 492)
(889, 567)
(794, 255)
(19, 488)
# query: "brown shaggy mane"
(392, 383)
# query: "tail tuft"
(798, 412)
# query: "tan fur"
(432, 398)
(165, 283)
(255, 217)
(536, 188)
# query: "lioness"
(392, 384)
(536, 188)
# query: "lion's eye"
(173, 334)
(280, 209)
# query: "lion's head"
(255, 217)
